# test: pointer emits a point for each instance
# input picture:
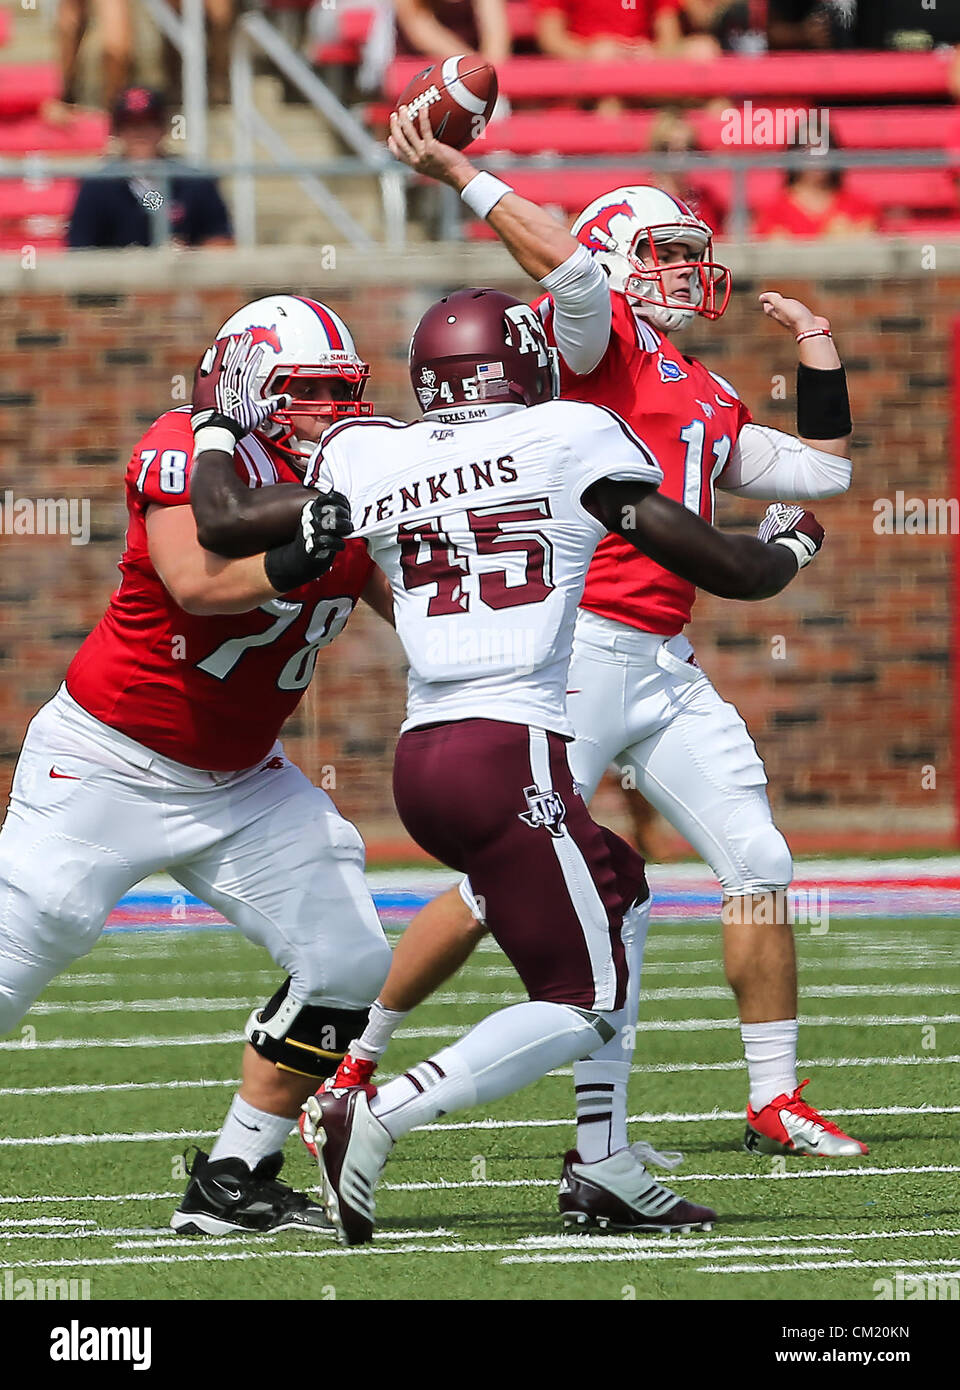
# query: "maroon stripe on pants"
(462, 790)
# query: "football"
(459, 93)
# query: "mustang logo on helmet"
(600, 222)
(260, 334)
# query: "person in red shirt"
(816, 203)
(600, 30)
(636, 695)
(161, 752)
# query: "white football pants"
(635, 701)
(92, 812)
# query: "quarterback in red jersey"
(643, 269)
(160, 751)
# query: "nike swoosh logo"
(255, 1128)
(68, 777)
(221, 1191)
(574, 692)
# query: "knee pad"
(310, 1039)
(767, 863)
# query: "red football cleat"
(787, 1125)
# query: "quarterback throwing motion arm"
(535, 239)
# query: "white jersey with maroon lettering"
(475, 516)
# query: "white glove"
(225, 391)
(787, 524)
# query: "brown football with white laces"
(459, 94)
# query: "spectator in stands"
(757, 25)
(441, 28)
(673, 133)
(114, 212)
(220, 15)
(816, 203)
(115, 33)
(605, 30)
(905, 25)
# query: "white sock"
(771, 1053)
(502, 1054)
(372, 1042)
(600, 1083)
(250, 1134)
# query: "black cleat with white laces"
(225, 1197)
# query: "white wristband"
(213, 437)
(801, 554)
(483, 193)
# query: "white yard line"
(95, 1087)
(471, 998)
(889, 1267)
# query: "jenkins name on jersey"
(480, 529)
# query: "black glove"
(323, 524)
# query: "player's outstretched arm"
(234, 520)
(730, 566)
(535, 239)
(533, 236)
(205, 584)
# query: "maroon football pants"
(497, 802)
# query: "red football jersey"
(691, 419)
(210, 692)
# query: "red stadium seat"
(25, 87)
(804, 76)
(86, 134)
(34, 216)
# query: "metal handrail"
(187, 33)
(253, 29)
(244, 169)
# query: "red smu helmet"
(481, 347)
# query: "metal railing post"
(194, 56)
(244, 185)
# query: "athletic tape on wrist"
(483, 193)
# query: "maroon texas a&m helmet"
(481, 347)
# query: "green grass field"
(119, 1080)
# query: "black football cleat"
(618, 1194)
(226, 1197)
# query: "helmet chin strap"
(666, 319)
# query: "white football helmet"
(623, 228)
(304, 342)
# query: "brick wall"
(846, 721)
